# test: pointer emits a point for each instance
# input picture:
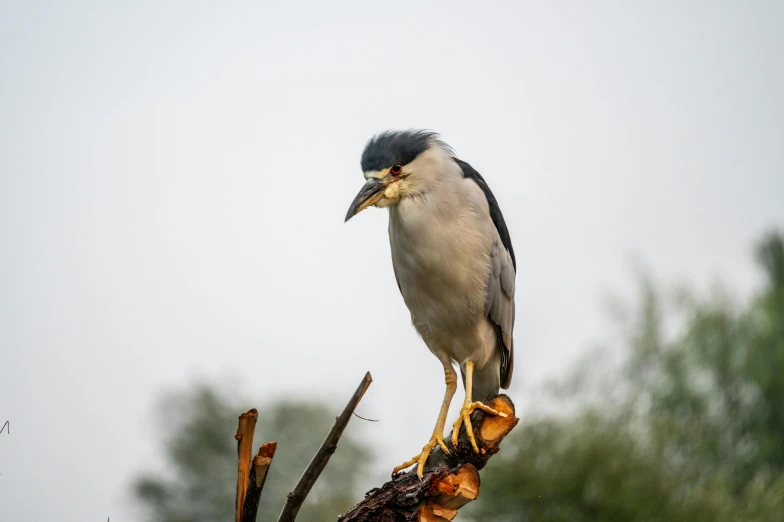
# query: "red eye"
(396, 169)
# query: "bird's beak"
(369, 194)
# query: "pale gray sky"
(174, 176)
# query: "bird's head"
(399, 164)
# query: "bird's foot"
(465, 418)
(435, 440)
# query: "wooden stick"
(450, 481)
(257, 478)
(244, 436)
(328, 447)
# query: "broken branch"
(450, 481)
(244, 436)
(256, 480)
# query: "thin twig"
(244, 436)
(365, 419)
(316, 466)
(258, 475)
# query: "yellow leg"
(468, 408)
(437, 438)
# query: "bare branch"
(328, 447)
(257, 478)
(244, 436)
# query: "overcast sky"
(174, 177)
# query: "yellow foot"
(420, 459)
(465, 418)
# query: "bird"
(454, 264)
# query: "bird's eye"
(396, 169)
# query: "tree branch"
(450, 481)
(257, 478)
(328, 447)
(244, 436)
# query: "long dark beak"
(371, 191)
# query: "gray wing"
(500, 306)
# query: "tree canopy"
(685, 423)
(690, 426)
(201, 457)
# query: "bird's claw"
(421, 458)
(465, 418)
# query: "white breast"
(441, 245)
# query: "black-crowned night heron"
(454, 265)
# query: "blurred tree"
(201, 453)
(691, 429)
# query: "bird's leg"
(468, 408)
(437, 438)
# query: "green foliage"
(581, 470)
(201, 453)
(690, 427)
(691, 430)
